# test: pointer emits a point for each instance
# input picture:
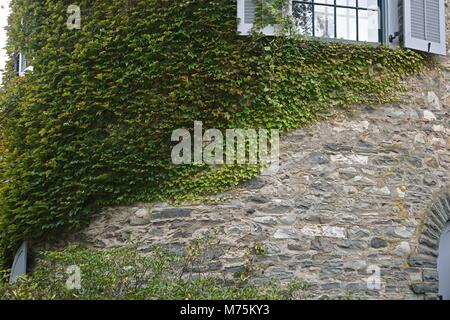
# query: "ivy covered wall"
(91, 125)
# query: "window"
(21, 65)
(414, 24)
(357, 20)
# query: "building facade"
(361, 204)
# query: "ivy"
(124, 274)
(91, 126)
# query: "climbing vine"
(273, 12)
(91, 125)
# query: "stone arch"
(424, 258)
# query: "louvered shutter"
(246, 15)
(22, 65)
(424, 25)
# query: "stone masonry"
(362, 192)
(351, 193)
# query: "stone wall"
(367, 189)
(352, 192)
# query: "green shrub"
(91, 126)
(125, 274)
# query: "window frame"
(271, 30)
(381, 19)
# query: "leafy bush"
(125, 274)
(91, 126)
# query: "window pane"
(325, 1)
(324, 21)
(369, 4)
(368, 25)
(302, 13)
(348, 3)
(343, 19)
(346, 23)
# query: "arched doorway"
(444, 263)
(431, 258)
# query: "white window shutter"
(246, 15)
(21, 65)
(424, 25)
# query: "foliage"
(125, 274)
(91, 126)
